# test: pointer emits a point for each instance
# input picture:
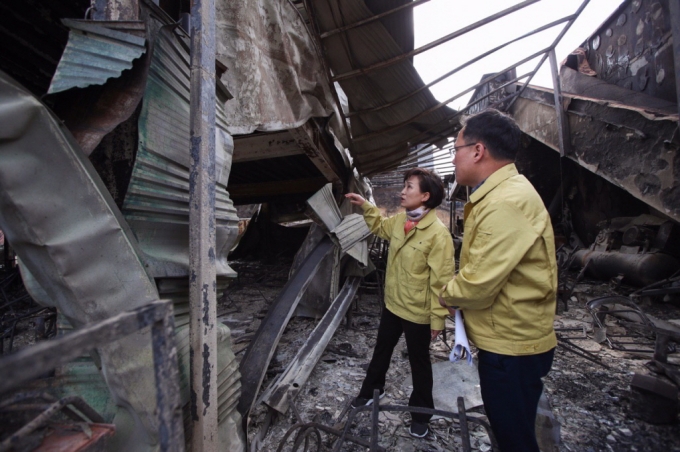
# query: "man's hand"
(434, 334)
(355, 199)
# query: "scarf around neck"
(413, 217)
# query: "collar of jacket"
(494, 181)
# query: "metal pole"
(559, 37)
(433, 44)
(202, 279)
(168, 404)
(371, 19)
(562, 121)
(459, 68)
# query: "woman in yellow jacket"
(419, 263)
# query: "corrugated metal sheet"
(157, 201)
(71, 238)
(325, 208)
(157, 208)
(93, 55)
(359, 48)
(351, 230)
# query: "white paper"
(461, 347)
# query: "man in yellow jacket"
(507, 283)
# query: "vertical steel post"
(202, 279)
(562, 122)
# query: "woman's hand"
(434, 334)
(355, 199)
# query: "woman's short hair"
(429, 182)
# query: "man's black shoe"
(360, 401)
(418, 429)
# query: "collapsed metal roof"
(392, 112)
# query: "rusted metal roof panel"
(376, 146)
(157, 201)
(94, 54)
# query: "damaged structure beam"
(562, 123)
(259, 146)
(310, 139)
(284, 390)
(260, 351)
(631, 147)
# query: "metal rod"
(371, 19)
(562, 122)
(31, 362)
(375, 413)
(476, 101)
(202, 280)
(170, 422)
(459, 68)
(433, 44)
(552, 47)
(462, 420)
(45, 416)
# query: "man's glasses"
(453, 150)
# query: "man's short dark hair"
(498, 132)
(429, 182)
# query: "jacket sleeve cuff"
(437, 323)
(366, 205)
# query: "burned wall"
(634, 49)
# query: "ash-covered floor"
(593, 405)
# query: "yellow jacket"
(418, 265)
(507, 283)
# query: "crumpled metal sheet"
(361, 47)
(93, 55)
(69, 234)
(274, 72)
(352, 233)
(324, 209)
(157, 201)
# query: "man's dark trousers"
(511, 387)
(418, 345)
